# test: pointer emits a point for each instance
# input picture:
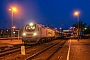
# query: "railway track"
(9, 47)
(30, 51)
(16, 48)
(11, 50)
(56, 47)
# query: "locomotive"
(34, 33)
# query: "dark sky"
(57, 13)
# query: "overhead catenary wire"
(68, 9)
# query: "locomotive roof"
(43, 26)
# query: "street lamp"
(77, 13)
(13, 9)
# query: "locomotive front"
(30, 33)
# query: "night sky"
(56, 13)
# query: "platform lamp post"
(13, 9)
(77, 13)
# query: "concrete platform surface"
(16, 41)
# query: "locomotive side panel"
(56, 33)
(43, 30)
(50, 33)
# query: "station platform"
(5, 43)
(13, 41)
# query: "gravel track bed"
(30, 51)
(46, 54)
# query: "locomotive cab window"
(30, 28)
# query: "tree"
(81, 26)
(87, 30)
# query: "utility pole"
(22, 23)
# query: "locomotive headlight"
(31, 24)
(34, 34)
(24, 34)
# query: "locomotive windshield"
(30, 28)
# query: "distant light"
(10, 9)
(71, 27)
(60, 28)
(6, 30)
(55, 28)
(14, 32)
(43, 26)
(85, 28)
(66, 30)
(13, 27)
(60, 32)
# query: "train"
(34, 33)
